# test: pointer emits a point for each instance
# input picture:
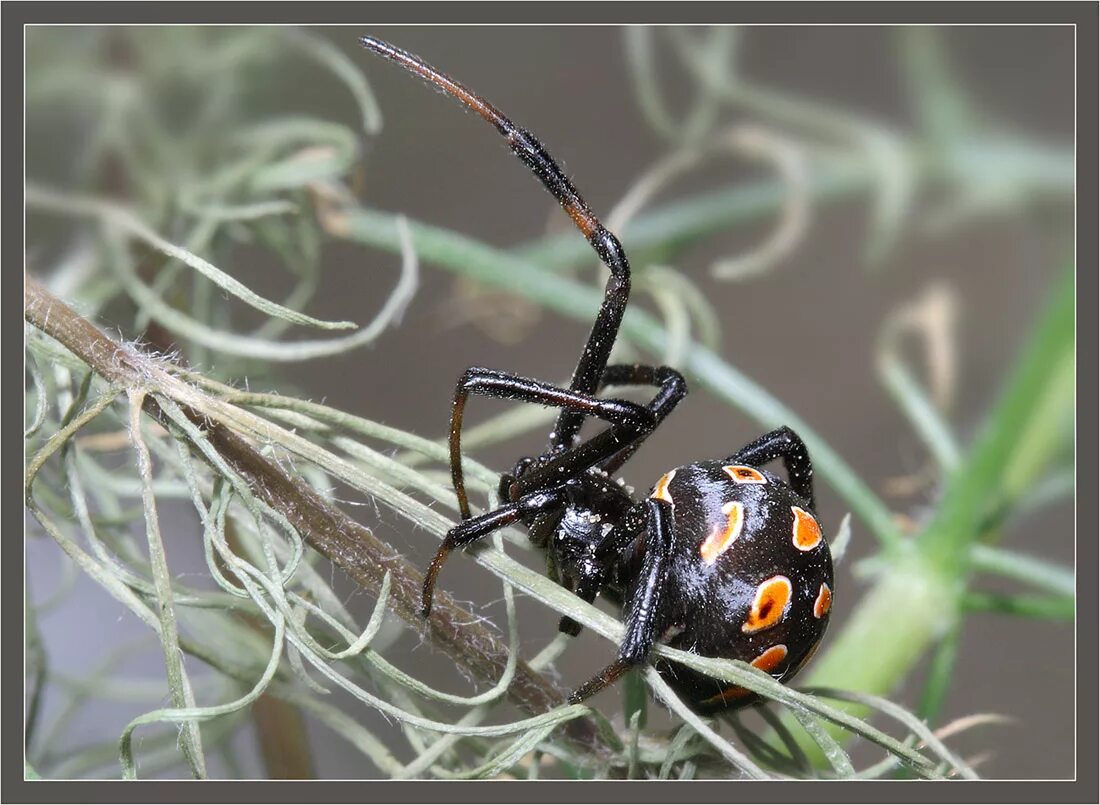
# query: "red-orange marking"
(660, 491)
(806, 534)
(770, 659)
(721, 538)
(767, 662)
(768, 606)
(824, 601)
(745, 475)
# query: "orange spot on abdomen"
(745, 475)
(723, 536)
(823, 602)
(770, 659)
(660, 490)
(806, 533)
(767, 662)
(771, 600)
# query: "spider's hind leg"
(644, 610)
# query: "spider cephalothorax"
(722, 558)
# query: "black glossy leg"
(535, 156)
(630, 419)
(477, 527)
(671, 389)
(630, 424)
(782, 443)
(597, 350)
(641, 619)
(610, 449)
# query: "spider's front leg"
(532, 491)
(629, 422)
(536, 489)
(644, 608)
(477, 527)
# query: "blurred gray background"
(806, 331)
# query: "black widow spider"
(723, 558)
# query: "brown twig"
(346, 543)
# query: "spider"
(723, 558)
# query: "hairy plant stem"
(346, 543)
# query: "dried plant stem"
(332, 533)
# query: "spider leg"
(533, 491)
(628, 419)
(610, 448)
(671, 389)
(641, 622)
(534, 155)
(782, 443)
(477, 527)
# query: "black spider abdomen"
(751, 578)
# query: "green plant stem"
(922, 414)
(975, 161)
(1036, 399)
(1025, 568)
(690, 220)
(179, 684)
(1045, 607)
(939, 675)
(919, 593)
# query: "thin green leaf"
(125, 221)
(192, 714)
(911, 722)
(838, 545)
(801, 763)
(62, 436)
(179, 684)
(334, 59)
(738, 759)
(261, 348)
(1042, 607)
(1040, 573)
(940, 674)
(921, 413)
(829, 746)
